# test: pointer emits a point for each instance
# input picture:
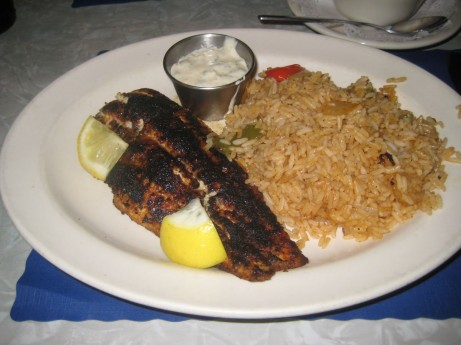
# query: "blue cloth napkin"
(433, 61)
(45, 293)
(85, 3)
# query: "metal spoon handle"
(272, 19)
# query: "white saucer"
(375, 38)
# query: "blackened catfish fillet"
(166, 140)
(148, 184)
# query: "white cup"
(379, 12)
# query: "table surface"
(48, 39)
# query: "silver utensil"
(406, 27)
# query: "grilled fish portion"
(148, 184)
(256, 244)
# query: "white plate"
(374, 38)
(68, 216)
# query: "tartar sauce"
(211, 66)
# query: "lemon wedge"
(188, 237)
(98, 148)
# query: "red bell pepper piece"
(282, 73)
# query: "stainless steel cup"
(209, 103)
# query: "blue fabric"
(85, 3)
(45, 293)
(433, 61)
(437, 296)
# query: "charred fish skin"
(148, 184)
(263, 247)
(256, 243)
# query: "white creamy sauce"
(211, 66)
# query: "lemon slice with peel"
(99, 148)
(188, 237)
